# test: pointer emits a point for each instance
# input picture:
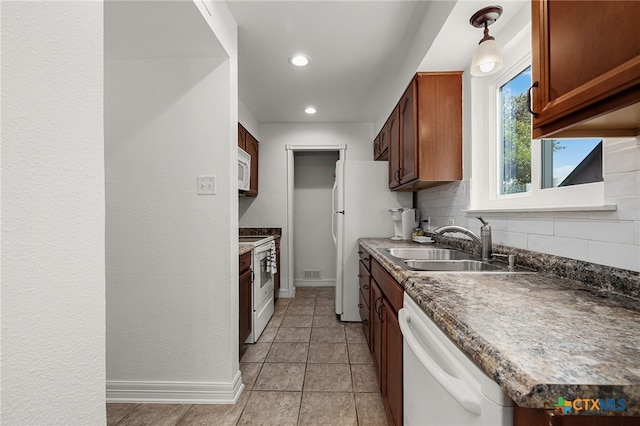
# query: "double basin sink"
(445, 260)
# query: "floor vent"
(311, 274)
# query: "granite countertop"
(243, 248)
(538, 336)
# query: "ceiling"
(357, 51)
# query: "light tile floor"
(307, 368)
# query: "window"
(510, 170)
(515, 134)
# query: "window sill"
(599, 208)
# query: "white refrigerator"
(360, 209)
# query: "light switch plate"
(206, 185)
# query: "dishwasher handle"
(457, 388)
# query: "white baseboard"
(174, 392)
(286, 294)
(315, 283)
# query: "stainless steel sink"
(427, 253)
(452, 265)
(435, 259)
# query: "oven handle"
(457, 388)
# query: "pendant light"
(487, 59)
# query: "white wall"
(53, 284)
(269, 208)
(313, 244)
(606, 238)
(172, 289)
(248, 121)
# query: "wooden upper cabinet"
(408, 140)
(252, 149)
(250, 144)
(381, 144)
(393, 126)
(586, 64)
(242, 137)
(426, 148)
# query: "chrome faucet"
(484, 240)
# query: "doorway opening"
(312, 253)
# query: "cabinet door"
(245, 306)
(365, 314)
(394, 149)
(242, 137)
(392, 365)
(585, 60)
(381, 151)
(276, 276)
(252, 149)
(376, 330)
(408, 133)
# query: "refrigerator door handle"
(333, 213)
(333, 227)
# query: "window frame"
(485, 146)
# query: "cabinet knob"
(360, 252)
(366, 287)
(534, 114)
(359, 305)
(365, 322)
(360, 275)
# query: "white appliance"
(361, 203)
(262, 301)
(244, 170)
(442, 386)
(404, 221)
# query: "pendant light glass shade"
(487, 59)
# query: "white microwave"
(244, 170)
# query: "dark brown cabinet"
(276, 276)
(376, 331)
(381, 144)
(543, 417)
(244, 306)
(250, 144)
(425, 143)
(242, 137)
(364, 277)
(393, 124)
(386, 339)
(585, 68)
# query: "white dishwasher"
(442, 386)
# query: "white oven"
(262, 300)
(244, 170)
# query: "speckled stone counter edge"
(515, 382)
(259, 231)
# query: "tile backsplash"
(609, 238)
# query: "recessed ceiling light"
(310, 110)
(299, 60)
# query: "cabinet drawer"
(364, 278)
(389, 286)
(365, 315)
(365, 258)
(244, 262)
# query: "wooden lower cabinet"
(376, 331)
(541, 417)
(244, 306)
(392, 365)
(364, 278)
(276, 276)
(386, 339)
